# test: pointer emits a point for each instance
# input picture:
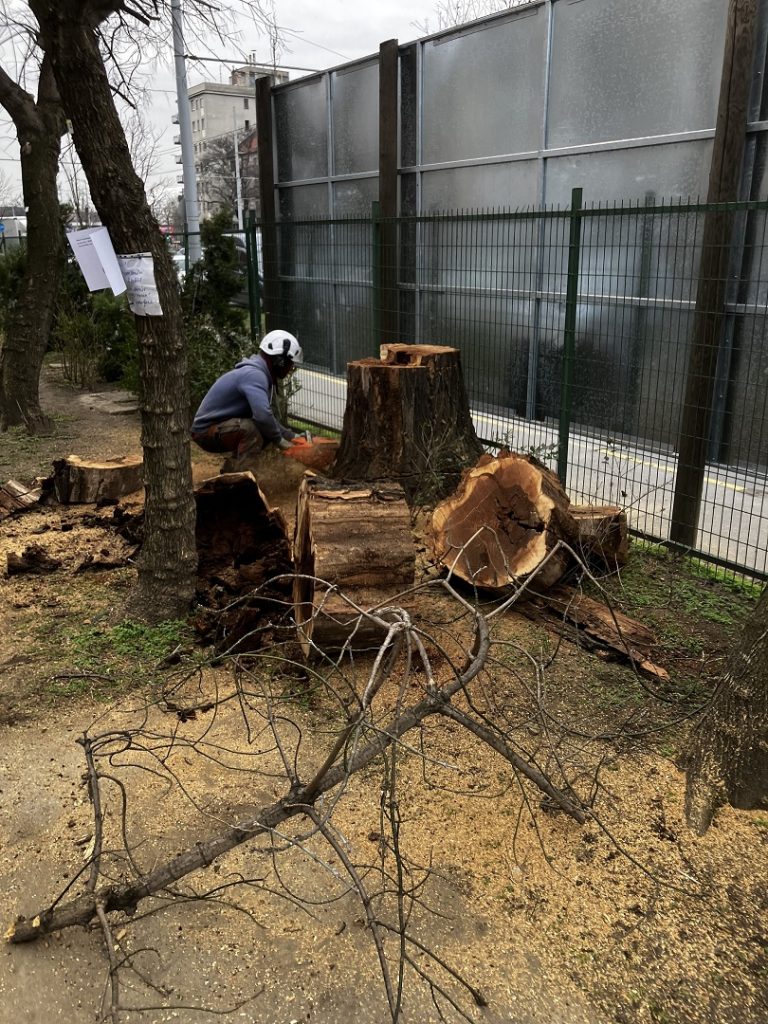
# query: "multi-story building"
(224, 114)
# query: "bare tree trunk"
(39, 126)
(168, 562)
(727, 755)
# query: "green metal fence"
(625, 344)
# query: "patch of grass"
(105, 661)
(690, 592)
(134, 641)
(19, 447)
(300, 426)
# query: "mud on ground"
(629, 918)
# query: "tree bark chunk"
(33, 559)
(595, 625)
(76, 481)
(407, 419)
(242, 546)
(502, 524)
(356, 538)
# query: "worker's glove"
(284, 443)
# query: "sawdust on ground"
(629, 918)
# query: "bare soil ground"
(629, 918)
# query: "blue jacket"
(243, 393)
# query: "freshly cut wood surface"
(78, 481)
(357, 540)
(503, 522)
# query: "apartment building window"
(247, 124)
(245, 102)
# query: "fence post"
(254, 298)
(376, 269)
(711, 293)
(569, 333)
(268, 217)
(389, 76)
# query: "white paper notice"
(96, 258)
(139, 273)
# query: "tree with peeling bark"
(69, 36)
(39, 126)
(727, 756)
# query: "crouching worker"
(236, 415)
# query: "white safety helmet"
(281, 344)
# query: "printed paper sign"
(96, 258)
(139, 274)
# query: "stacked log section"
(356, 539)
(502, 523)
(407, 419)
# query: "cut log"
(242, 546)
(16, 498)
(503, 523)
(596, 626)
(76, 481)
(357, 540)
(601, 534)
(407, 419)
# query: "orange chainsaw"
(314, 452)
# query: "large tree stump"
(503, 522)
(407, 419)
(242, 546)
(357, 540)
(76, 481)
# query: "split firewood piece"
(502, 524)
(16, 497)
(243, 553)
(357, 539)
(601, 534)
(407, 419)
(33, 559)
(76, 481)
(598, 625)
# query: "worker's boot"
(240, 463)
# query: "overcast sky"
(318, 34)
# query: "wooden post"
(271, 296)
(387, 236)
(724, 177)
